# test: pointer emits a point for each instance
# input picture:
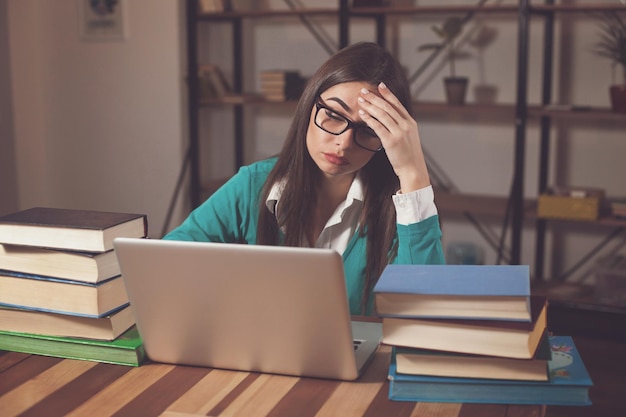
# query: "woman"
(351, 176)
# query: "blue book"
(489, 292)
(568, 383)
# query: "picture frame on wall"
(102, 20)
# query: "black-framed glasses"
(334, 123)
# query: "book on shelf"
(494, 292)
(414, 361)
(568, 383)
(37, 292)
(59, 263)
(42, 322)
(80, 230)
(509, 339)
(127, 349)
(279, 76)
(213, 83)
(241, 98)
(214, 6)
(278, 85)
(209, 6)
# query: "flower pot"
(456, 89)
(618, 98)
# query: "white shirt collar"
(355, 192)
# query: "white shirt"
(343, 223)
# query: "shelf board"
(410, 10)
(433, 107)
(247, 98)
(500, 110)
(358, 11)
(484, 110)
(580, 8)
(477, 204)
(610, 221)
(452, 203)
(240, 14)
(414, 10)
(585, 113)
(458, 203)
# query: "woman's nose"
(344, 140)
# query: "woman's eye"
(332, 115)
(369, 132)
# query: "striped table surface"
(32, 385)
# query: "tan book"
(58, 263)
(459, 365)
(41, 322)
(62, 296)
(511, 339)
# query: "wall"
(8, 186)
(98, 124)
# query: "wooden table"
(33, 385)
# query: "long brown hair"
(364, 62)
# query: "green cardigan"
(231, 215)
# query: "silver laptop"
(245, 307)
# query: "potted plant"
(612, 45)
(484, 93)
(455, 87)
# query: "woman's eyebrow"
(341, 103)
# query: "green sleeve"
(230, 215)
(420, 243)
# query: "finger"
(384, 113)
(386, 105)
(375, 118)
(391, 98)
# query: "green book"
(127, 349)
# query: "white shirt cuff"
(415, 206)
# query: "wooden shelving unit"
(547, 114)
(519, 114)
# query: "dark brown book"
(511, 339)
(80, 230)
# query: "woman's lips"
(336, 159)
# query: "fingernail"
(362, 112)
(364, 90)
(361, 100)
(382, 85)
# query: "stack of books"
(279, 85)
(61, 292)
(474, 333)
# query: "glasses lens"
(335, 123)
(367, 138)
(330, 121)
